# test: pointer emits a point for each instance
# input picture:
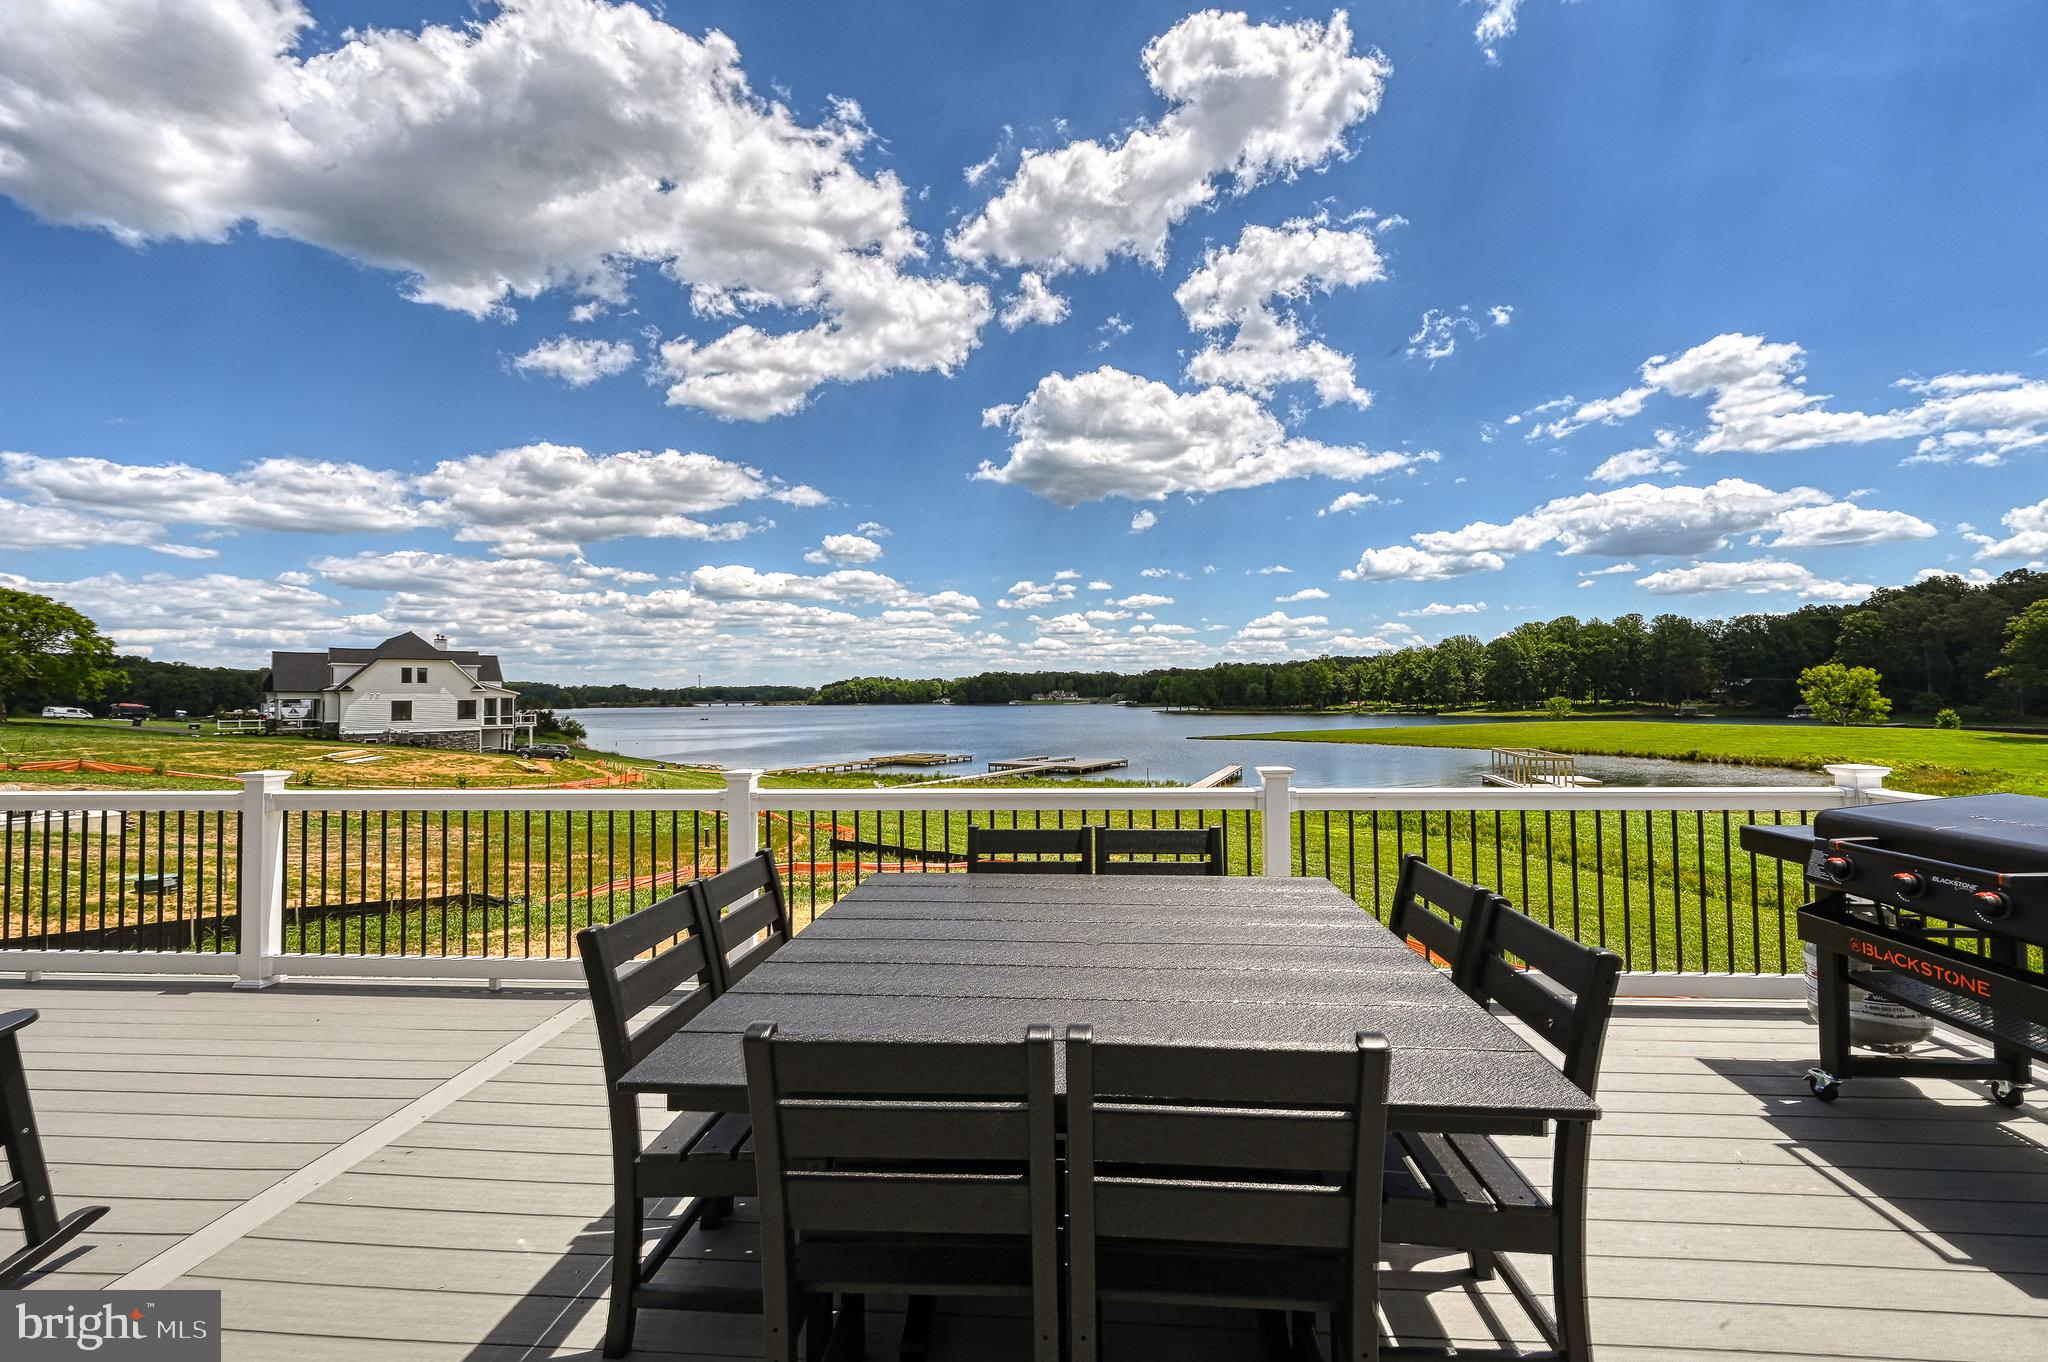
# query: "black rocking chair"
(28, 1186)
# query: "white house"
(403, 690)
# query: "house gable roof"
(312, 671)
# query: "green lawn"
(1923, 760)
(217, 757)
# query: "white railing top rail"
(1692, 798)
(616, 798)
(956, 797)
(39, 801)
(1854, 784)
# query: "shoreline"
(1923, 760)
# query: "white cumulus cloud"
(1245, 102)
(1643, 519)
(577, 361)
(1237, 287)
(2028, 537)
(1757, 403)
(844, 548)
(1113, 434)
(550, 499)
(555, 144)
(1033, 304)
(1756, 577)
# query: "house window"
(401, 711)
(491, 709)
(465, 709)
(412, 676)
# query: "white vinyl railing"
(266, 882)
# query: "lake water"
(1157, 745)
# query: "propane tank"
(1874, 1023)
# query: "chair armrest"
(10, 1022)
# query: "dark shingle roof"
(309, 671)
(297, 671)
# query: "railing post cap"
(1275, 772)
(741, 775)
(1857, 775)
(267, 779)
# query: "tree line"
(1939, 643)
(1942, 643)
(552, 695)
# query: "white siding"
(366, 707)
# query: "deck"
(419, 1173)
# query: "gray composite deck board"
(1731, 1218)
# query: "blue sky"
(793, 341)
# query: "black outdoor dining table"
(926, 957)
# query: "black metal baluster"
(1600, 876)
(1578, 922)
(1628, 925)
(1650, 879)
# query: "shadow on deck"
(397, 1172)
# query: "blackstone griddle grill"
(1941, 906)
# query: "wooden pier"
(1057, 766)
(1217, 779)
(874, 763)
(1529, 768)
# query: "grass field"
(167, 749)
(1923, 760)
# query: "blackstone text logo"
(167, 1326)
(1920, 965)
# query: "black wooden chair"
(1052, 851)
(755, 886)
(1445, 916)
(917, 1170)
(1159, 851)
(707, 1158)
(1461, 1192)
(27, 1188)
(1245, 1177)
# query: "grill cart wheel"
(1825, 1085)
(2007, 1094)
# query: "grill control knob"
(1992, 905)
(1838, 867)
(1908, 884)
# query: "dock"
(1529, 768)
(874, 763)
(1217, 779)
(1057, 766)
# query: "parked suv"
(65, 712)
(553, 751)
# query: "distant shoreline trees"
(1938, 644)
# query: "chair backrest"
(1275, 1147)
(874, 1140)
(1567, 1004)
(754, 885)
(1159, 851)
(623, 986)
(1444, 915)
(1052, 851)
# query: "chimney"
(441, 642)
